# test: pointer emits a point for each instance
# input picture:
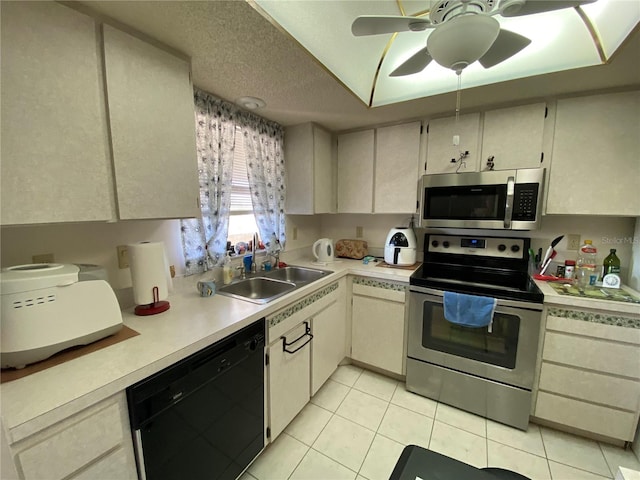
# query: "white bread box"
(46, 309)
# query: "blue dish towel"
(469, 310)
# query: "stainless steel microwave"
(496, 200)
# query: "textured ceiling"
(236, 52)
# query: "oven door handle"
(438, 297)
(508, 207)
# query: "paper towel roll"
(148, 265)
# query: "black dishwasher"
(203, 417)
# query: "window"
(242, 222)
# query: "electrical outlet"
(358, 232)
(172, 271)
(295, 233)
(123, 256)
(43, 258)
(573, 242)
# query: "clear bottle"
(611, 263)
(227, 270)
(586, 264)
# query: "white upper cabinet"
(310, 170)
(55, 155)
(67, 156)
(397, 168)
(595, 165)
(440, 143)
(378, 170)
(152, 119)
(355, 172)
(513, 137)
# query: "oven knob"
(515, 248)
(445, 244)
(502, 247)
(435, 244)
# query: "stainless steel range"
(488, 371)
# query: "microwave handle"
(508, 208)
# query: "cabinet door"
(355, 172)
(595, 168)
(289, 378)
(324, 192)
(310, 185)
(513, 137)
(328, 348)
(396, 173)
(378, 333)
(152, 119)
(55, 155)
(440, 147)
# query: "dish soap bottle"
(227, 270)
(611, 263)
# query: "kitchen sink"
(257, 289)
(297, 275)
(273, 284)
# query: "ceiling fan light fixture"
(510, 8)
(461, 41)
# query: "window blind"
(240, 193)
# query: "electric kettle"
(400, 247)
(323, 250)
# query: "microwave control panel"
(525, 202)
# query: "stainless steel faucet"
(243, 273)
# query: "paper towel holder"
(157, 306)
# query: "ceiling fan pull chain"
(456, 138)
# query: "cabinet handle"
(307, 331)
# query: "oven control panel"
(480, 246)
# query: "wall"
(605, 232)
(96, 242)
(374, 228)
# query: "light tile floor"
(358, 423)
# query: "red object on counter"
(550, 278)
(282, 265)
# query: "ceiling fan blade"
(378, 24)
(506, 45)
(518, 8)
(416, 63)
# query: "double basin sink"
(273, 284)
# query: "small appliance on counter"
(47, 308)
(323, 250)
(400, 247)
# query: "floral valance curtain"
(263, 144)
(204, 239)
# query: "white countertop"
(552, 297)
(192, 323)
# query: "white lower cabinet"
(289, 376)
(377, 322)
(328, 347)
(95, 443)
(590, 372)
(306, 342)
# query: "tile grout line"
(377, 428)
(612, 473)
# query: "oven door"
(507, 354)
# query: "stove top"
(478, 265)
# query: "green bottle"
(611, 264)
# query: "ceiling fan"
(464, 31)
